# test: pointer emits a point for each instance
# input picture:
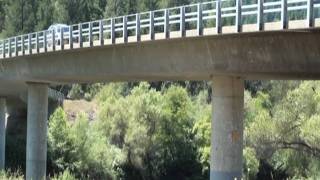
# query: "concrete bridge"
(225, 41)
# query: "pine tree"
(45, 14)
(148, 5)
(132, 6)
(76, 11)
(21, 16)
(115, 8)
(173, 3)
(2, 15)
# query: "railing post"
(53, 34)
(284, 14)
(101, 36)
(125, 30)
(9, 48)
(61, 39)
(29, 44)
(112, 31)
(3, 49)
(310, 16)
(45, 43)
(151, 25)
(182, 22)
(71, 37)
(260, 15)
(238, 16)
(16, 46)
(138, 35)
(37, 42)
(80, 36)
(166, 23)
(22, 45)
(218, 16)
(199, 21)
(90, 35)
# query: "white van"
(57, 28)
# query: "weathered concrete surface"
(227, 128)
(267, 55)
(12, 89)
(37, 131)
(2, 132)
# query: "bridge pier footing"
(37, 131)
(227, 128)
(2, 132)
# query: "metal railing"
(189, 20)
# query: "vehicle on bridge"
(56, 30)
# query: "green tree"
(282, 131)
(155, 131)
(2, 15)
(21, 16)
(81, 148)
(76, 11)
(44, 14)
(116, 8)
(148, 5)
(251, 163)
(61, 147)
(202, 131)
(173, 3)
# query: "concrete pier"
(227, 128)
(37, 131)
(2, 132)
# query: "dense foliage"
(152, 139)
(145, 133)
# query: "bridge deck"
(203, 19)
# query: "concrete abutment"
(227, 128)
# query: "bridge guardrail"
(214, 17)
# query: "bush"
(65, 175)
(10, 175)
(251, 163)
(80, 148)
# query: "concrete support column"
(37, 131)
(227, 128)
(2, 133)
